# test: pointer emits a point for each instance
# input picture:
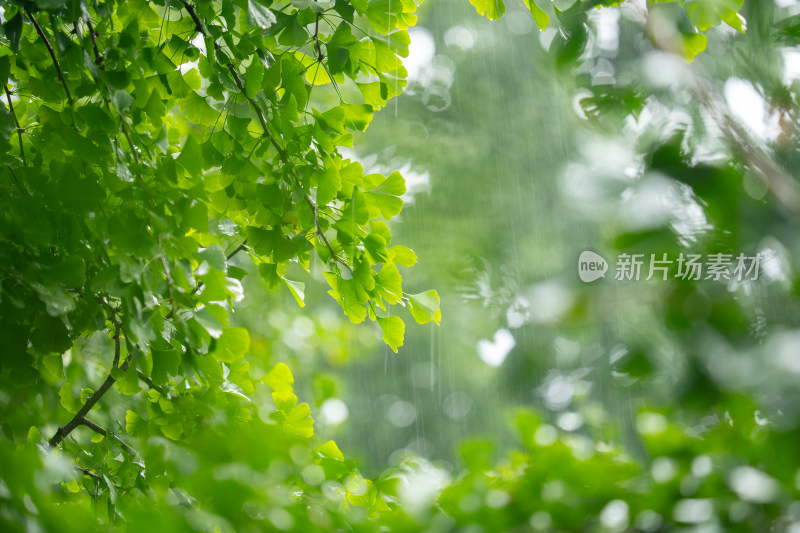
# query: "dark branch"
(77, 420)
(19, 129)
(320, 55)
(237, 250)
(52, 55)
(102, 431)
(149, 382)
(98, 59)
(87, 472)
(192, 13)
(130, 142)
(117, 347)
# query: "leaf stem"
(87, 472)
(19, 129)
(102, 431)
(52, 55)
(149, 382)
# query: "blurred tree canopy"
(165, 161)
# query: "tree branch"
(102, 431)
(77, 420)
(19, 129)
(87, 472)
(149, 382)
(320, 55)
(117, 347)
(237, 250)
(98, 59)
(192, 13)
(52, 55)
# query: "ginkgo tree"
(147, 148)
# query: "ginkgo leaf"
(491, 9)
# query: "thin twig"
(130, 142)
(16, 179)
(76, 420)
(190, 8)
(87, 472)
(320, 55)
(102, 431)
(117, 343)
(200, 283)
(19, 129)
(149, 382)
(237, 250)
(98, 59)
(52, 55)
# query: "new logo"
(591, 266)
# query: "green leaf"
(34, 435)
(384, 200)
(122, 101)
(375, 245)
(173, 431)
(357, 117)
(330, 450)
(232, 345)
(129, 384)
(285, 400)
(424, 307)
(297, 289)
(706, 14)
(403, 255)
(491, 9)
(197, 110)
(393, 331)
(271, 242)
(253, 78)
(68, 400)
(279, 378)
(13, 31)
(213, 257)
(269, 273)
(539, 16)
(165, 363)
(694, 43)
(389, 283)
(134, 423)
(329, 184)
(299, 421)
(259, 16)
(191, 157)
(317, 74)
